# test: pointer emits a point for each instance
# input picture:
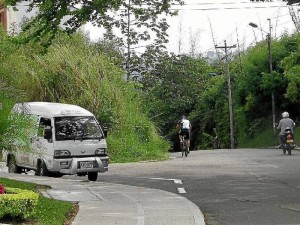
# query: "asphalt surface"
(103, 203)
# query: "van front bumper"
(80, 165)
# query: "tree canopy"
(121, 14)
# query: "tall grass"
(75, 71)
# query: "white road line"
(181, 190)
(176, 181)
(272, 165)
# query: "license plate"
(289, 141)
(86, 165)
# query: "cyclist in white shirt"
(184, 127)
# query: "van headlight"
(101, 151)
(61, 153)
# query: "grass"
(266, 139)
(48, 211)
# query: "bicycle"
(183, 145)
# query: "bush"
(18, 203)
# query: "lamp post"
(270, 66)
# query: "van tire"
(42, 169)
(12, 166)
(92, 176)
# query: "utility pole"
(128, 64)
(271, 70)
(269, 39)
(225, 47)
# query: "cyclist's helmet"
(285, 115)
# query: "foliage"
(292, 69)
(12, 127)
(144, 15)
(16, 129)
(211, 112)
(128, 23)
(140, 22)
(48, 211)
(172, 89)
(253, 86)
(78, 72)
(18, 203)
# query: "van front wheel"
(12, 166)
(42, 169)
(92, 176)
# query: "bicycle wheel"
(182, 148)
(186, 151)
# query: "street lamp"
(270, 66)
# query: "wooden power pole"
(225, 47)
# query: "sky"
(210, 22)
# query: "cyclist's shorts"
(185, 132)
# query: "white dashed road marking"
(176, 181)
(272, 165)
(181, 190)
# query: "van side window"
(44, 122)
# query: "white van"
(67, 140)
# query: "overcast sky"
(210, 22)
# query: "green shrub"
(48, 211)
(18, 203)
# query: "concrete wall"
(15, 19)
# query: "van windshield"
(77, 128)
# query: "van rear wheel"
(92, 176)
(12, 166)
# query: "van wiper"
(82, 135)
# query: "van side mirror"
(48, 133)
(105, 131)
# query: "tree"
(172, 89)
(137, 20)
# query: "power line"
(229, 3)
(220, 3)
(229, 8)
(285, 23)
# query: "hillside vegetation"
(74, 71)
(141, 116)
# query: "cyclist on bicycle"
(184, 127)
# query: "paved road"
(231, 187)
